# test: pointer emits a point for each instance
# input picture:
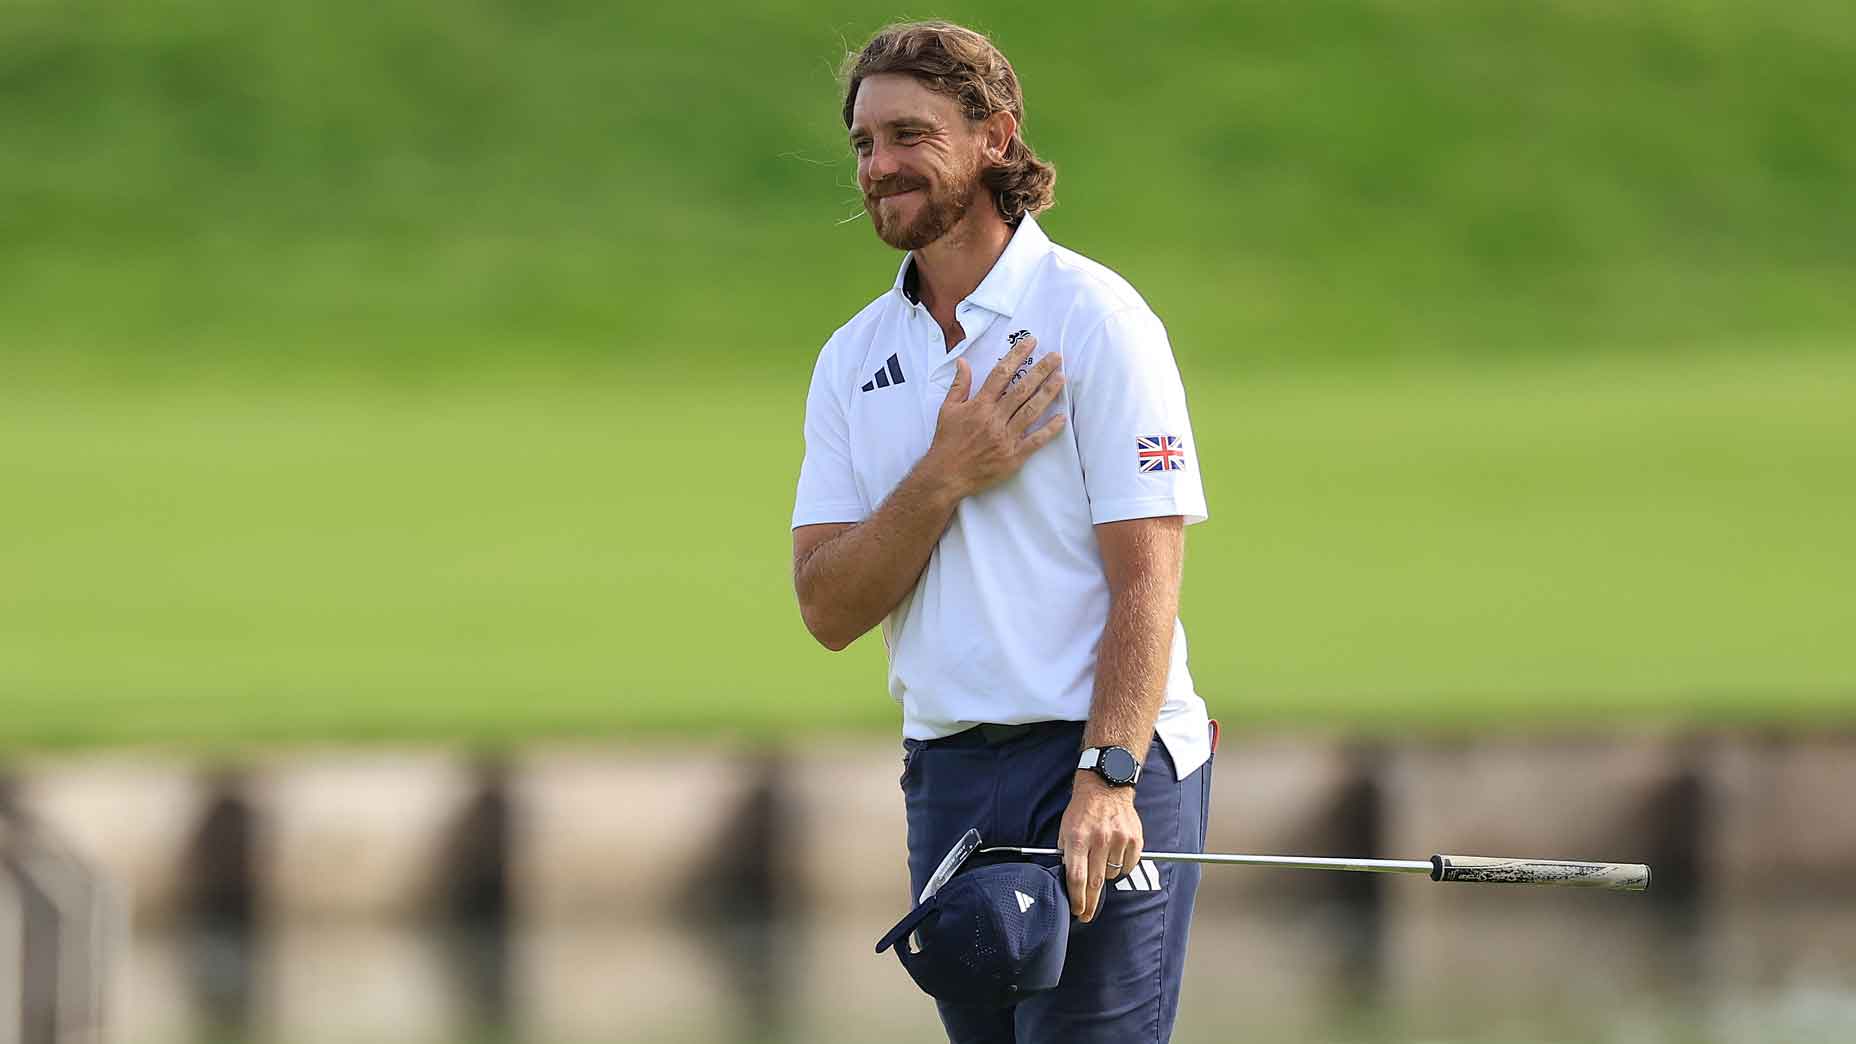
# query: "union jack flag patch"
(1160, 453)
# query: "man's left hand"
(1099, 828)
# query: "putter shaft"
(1379, 866)
(1616, 877)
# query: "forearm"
(1101, 833)
(1132, 662)
(849, 583)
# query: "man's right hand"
(983, 439)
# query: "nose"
(880, 163)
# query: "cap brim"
(906, 925)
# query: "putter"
(1614, 877)
(966, 846)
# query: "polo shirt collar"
(1004, 287)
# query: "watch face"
(1118, 765)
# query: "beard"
(936, 213)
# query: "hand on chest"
(904, 381)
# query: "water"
(1492, 966)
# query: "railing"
(59, 926)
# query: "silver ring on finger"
(1114, 866)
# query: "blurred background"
(399, 414)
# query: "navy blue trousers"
(1121, 978)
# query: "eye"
(860, 146)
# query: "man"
(999, 469)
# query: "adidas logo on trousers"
(1145, 877)
(890, 373)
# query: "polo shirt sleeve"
(1128, 412)
(827, 485)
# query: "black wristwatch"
(1116, 765)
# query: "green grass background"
(435, 370)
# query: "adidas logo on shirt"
(1025, 902)
(890, 373)
(1145, 877)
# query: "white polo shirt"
(1003, 625)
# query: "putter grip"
(1618, 877)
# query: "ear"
(996, 134)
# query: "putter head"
(950, 863)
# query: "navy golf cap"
(991, 935)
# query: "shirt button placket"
(938, 362)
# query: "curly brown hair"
(961, 64)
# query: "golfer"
(998, 470)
